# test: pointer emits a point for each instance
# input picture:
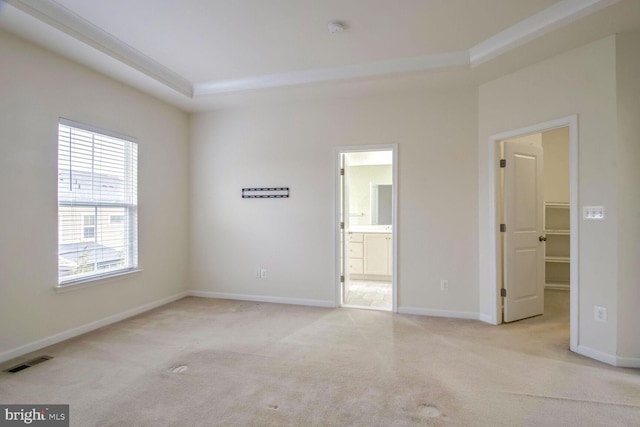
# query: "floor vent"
(28, 364)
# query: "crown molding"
(553, 17)
(545, 21)
(57, 16)
(318, 75)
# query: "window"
(97, 203)
(89, 227)
(116, 219)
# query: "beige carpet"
(204, 362)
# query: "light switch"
(593, 212)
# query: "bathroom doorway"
(366, 201)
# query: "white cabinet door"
(377, 254)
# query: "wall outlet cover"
(600, 313)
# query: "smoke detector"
(336, 27)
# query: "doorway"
(366, 200)
(535, 245)
(495, 253)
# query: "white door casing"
(523, 261)
(490, 251)
(341, 264)
(344, 229)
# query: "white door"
(523, 261)
(344, 228)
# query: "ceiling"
(202, 54)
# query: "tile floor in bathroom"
(369, 294)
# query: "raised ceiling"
(188, 52)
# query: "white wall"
(583, 82)
(37, 88)
(294, 145)
(203, 163)
(628, 165)
(555, 144)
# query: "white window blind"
(97, 203)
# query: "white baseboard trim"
(54, 339)
(627, 362)
(487, 319)
(264, 298)
(597, 355)
(438, 313)
(618, 361)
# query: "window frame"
(130, 209)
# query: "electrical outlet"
(600, 313)
(263, 273)
(444, 285)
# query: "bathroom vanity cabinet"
(370, 256)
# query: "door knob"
(542, 238)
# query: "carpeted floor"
(206, 362)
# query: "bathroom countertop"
(370, 229)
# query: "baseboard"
(627, 362)
(597, 355)
(487, 319)
(439, 313)
(54, 339)
(263, 298)
(619, 361)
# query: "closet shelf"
(557, 249)
(558, 232)
(562, 259)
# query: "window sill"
(93, 281)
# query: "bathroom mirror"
(369, 182)
(380, 196)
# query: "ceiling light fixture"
(336, 27)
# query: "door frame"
(394, 215)
(494, 299)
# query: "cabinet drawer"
(356, 250)
(356, 265)
(356, 237)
